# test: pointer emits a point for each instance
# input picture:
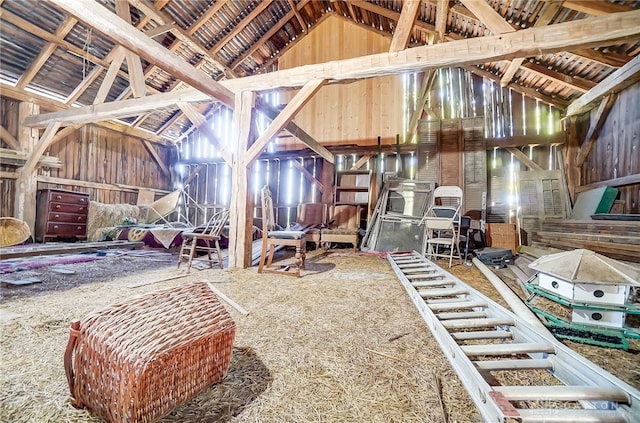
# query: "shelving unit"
(353, 187)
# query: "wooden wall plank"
(354, 113)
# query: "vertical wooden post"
(241, 207)
(572, 148)
(27, 183)
(327, 179)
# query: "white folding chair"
(442, 223)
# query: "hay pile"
(342, 343)
(106, 215)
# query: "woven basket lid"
(13, 231)
(586, 266)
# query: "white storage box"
(614, 319)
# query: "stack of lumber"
(616, 239)
(19, 158)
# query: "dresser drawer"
(66, 229)
(67, 208)
(67, 218)
(61, 197)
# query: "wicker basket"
(13, 231)
(137, 360)
(502, 235)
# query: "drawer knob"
(82, 200)
(79, 218)
(81, 208)
(55, 226)
(57, 206)
(79, 227)
(57, 216)
(58, 197)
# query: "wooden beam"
(82, 86)
(549, 11)
(577, 84)
(51, 104)
(152, 10)
(65, 27)
(570, 153)
(597, 121)
(206, 16)
(156, 158)
(442, 13)
(97, 70)
(97, 185)
(26, 186)
(45, 141)
(47, 36)
(622, 78)
(297, 132)
(240, 26)
(402, 33)
(596, 8)
(526, 140)
(308, 175)
(524, 159)
(361, 162)
(134, 65)
(604, 30)
(200, 121)
(294, 9)
(9, 139)
(117, 29)
(285, 116)
(8, 175)
(110, 110)
(611, 59)
(488, 16)
(240, 233)
(267, 35)
(529, 92)
(455, 53)
(427, 84)
(616, 182)
(110, 77)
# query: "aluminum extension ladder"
(479, 336)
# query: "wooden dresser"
(61, 214)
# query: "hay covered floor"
(342, 343)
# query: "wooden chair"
(210, 237)
(343, 226)
(272, 238)
(442, 224)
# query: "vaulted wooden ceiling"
(47, 52)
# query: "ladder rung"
(482, 334)
(427, 284)
(408, 259)
(417, 276)
(444, 292)
(503, 349)
(414, 264)
(462, 315)
(562, 393)
(559, 415)
(477, 323)
(522, 364)
(415, 269)
(457, 305)
(433, 301)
